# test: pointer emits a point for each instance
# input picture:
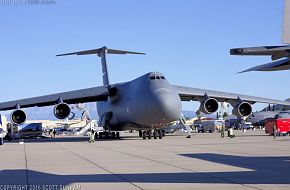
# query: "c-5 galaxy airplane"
(146, 103)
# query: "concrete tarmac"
(252, 160)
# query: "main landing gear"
(107, 135)
(152, 134)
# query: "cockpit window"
(156, 76)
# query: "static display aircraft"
(279, 54)
(276, 52)
(258, 118)
(146, 103)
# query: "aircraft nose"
(168, 104)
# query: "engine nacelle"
(62, 111)
(18, 117)
(243, 109)
(209, 105)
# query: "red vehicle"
(282, 124)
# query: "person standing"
(274, 131)
(223, 131)
(51, 133)
(91, 134)
(1, 136)
(54, 132)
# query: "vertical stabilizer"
(286, 23)
(102, 52)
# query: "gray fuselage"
(258, 118)
(147, 102)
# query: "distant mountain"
(189, 114)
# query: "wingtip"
(59, 55)
(241, 72)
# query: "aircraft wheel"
(100, 135)
(113, 135)
(159, 134)
(149, 134)
(144, 134)
(118, 135)
(106, 134)
(155, 134)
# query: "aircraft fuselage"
(147, 102)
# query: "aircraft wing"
(195, 94)
(283, 64)
(78, 96)
(276, 52)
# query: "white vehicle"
(247, 125)
(212, 125)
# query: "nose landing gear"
(152, 133)
(105, 123)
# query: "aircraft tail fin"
(102, 52)
(286, 23)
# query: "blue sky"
(187, 40)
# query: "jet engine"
(209, 105)
(62, 111)
(18, 117)
(242, 109)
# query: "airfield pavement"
(252, 160)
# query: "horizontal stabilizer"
(99, 51)
(286, 23)
(283, 64)
(276, 52)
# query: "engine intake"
(62, 111)
(243, 109)
(18, 117)
(209, 105)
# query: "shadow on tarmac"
(70, 139)
(264, 170)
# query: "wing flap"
(78, 96)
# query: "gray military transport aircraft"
(146, 103)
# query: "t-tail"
(102, 52)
